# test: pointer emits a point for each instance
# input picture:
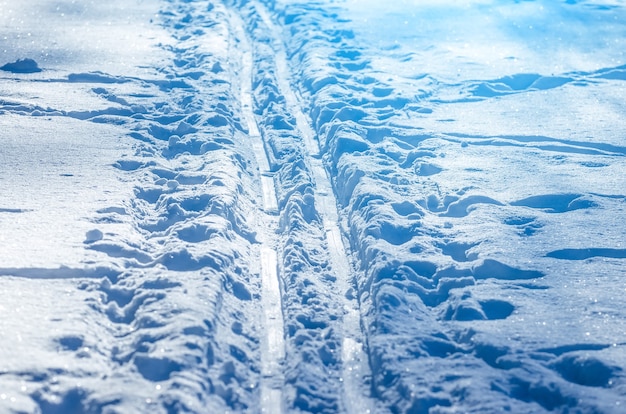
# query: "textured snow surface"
(329, 207)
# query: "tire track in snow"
(272, 342)
(354, 361)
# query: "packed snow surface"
(340, 206)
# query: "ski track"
(355, 364)
(273, 343)
(351, 357)
(263, 264)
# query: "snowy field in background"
(336, 206)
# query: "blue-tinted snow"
(332, 206)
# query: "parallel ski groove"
(282, 72)
(355, 364)
(272, 342)
(269, 194)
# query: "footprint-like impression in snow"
(464, 307)
(584, 369)
(156, 369)
(393, 233)
(74, 400)
(70, 342)
(407, 209)
(150, 194)
(527, 226)
(583, 254)
(203, 229)
(124, 304)
(458, 251)
(426, 169)
(119, 250)
(490, 268)
(93, 236)
(463, 207)
(517, 83)
(556, 203)
(132, 165)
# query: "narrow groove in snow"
(272, 311)
(355, 364)
(282, 77)
(270, 203)
(269, 195)
(272, 342)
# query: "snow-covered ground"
(335, 206)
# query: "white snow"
(337, 206)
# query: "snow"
(340, 206)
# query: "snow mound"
(25, 65)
